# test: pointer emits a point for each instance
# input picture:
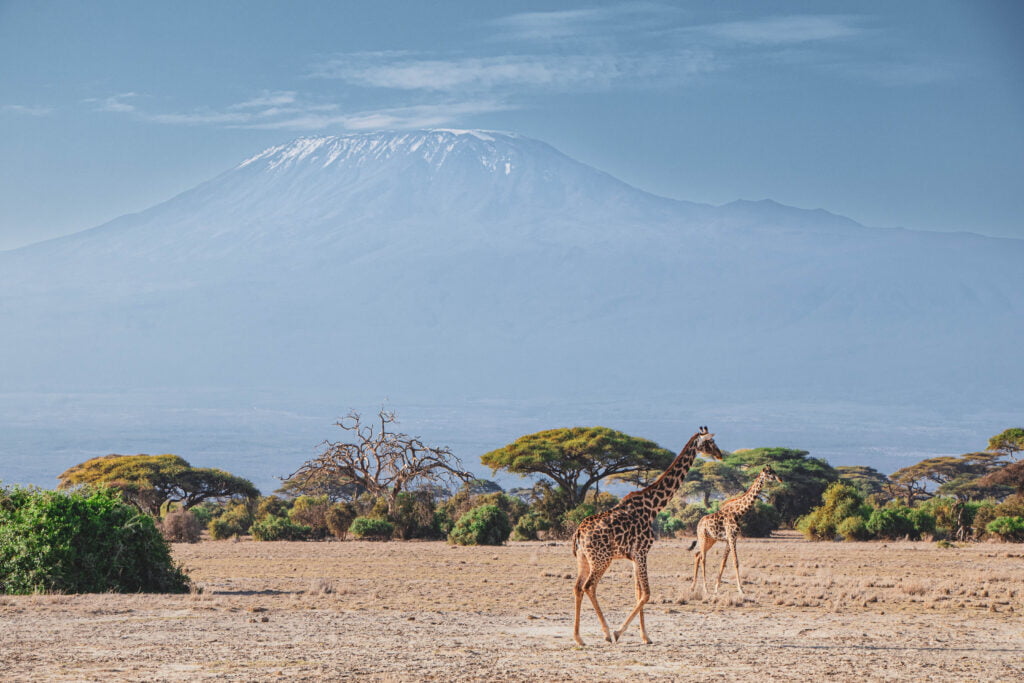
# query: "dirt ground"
(421, 611)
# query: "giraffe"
(624, 532)
(724, 526)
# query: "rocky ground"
(420, 611)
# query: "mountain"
(451, 264)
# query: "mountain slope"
(465, 263)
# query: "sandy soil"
(418, 611)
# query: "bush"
(181, 526)
(923, 521)
(234, 521)
(204, 512)
(853, 529)
(371, 529)
(1007, 528)
(665, 525)
(689, 516)
(839, 502)
(274, 528)
(483, 525)
(311, 512)
(572, 518)
(413, 516)
(339, 518)
(891, 523)
(529, 525)
(272, 505)
(85, 541)
(760, 521)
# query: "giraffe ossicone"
(625, 532)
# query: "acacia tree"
(867, 480)
(381, 462)
(578, 458)
(1008, 443)
(151, 481)
(958, 476)
(711, 478)
(1010, 474)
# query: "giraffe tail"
(693, 545)
(575, 540)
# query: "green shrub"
(689, 516)
(370, 528)
(311, 511)
(274, 528)
(1007, 528)
(234, 521)
(528, 526)
(483, 525)
(272, 505)
(760, 521)
(573, 517)
(181, 526)
(665, 525)
(339, 518)
(923, 521)
(203, 513)
(853, 529)
(85, 541)
(413, 516)
(891, 523)
(839, 502)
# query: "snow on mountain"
(470, 263)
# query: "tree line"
(377, 482)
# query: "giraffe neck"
(655, 497)
(738, 506)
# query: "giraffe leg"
(582, 575)
(597, 570)
(725, 558)
(643, 591)
(705, 545)
(736, 565)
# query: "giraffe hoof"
(616, 634)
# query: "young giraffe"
(724, 526)
(624, 532)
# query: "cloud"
(580, 72)
(784, 30)
(578, 24)
(115, 103)
(28, 109)
(286, 110)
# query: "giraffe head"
(769, 474)
(706, 445)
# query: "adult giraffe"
(625, 532)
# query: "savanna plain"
(427, 610)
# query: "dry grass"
(414, 611)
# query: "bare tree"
(382, 462)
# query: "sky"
(896, 114)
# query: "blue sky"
(893, 113)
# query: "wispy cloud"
(28, 109)
(578, 72)
(786, 30)
(286, 110)
(561, 25)
(115, 103)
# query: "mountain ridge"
(440, 268)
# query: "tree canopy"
(150, 481)
(953, 475)
(867, 480)
(804, 479)
(578, 458)
(709, 479)
(1008, 443)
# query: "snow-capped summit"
(486, 263)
